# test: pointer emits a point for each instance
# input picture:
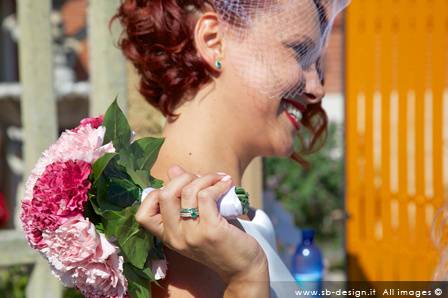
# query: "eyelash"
(320, 71)
(302, 50)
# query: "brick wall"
(334, 58)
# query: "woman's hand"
(209, 239)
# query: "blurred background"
(372, 194)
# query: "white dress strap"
(282, 282)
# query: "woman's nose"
(314, 90)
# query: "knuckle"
(187, 176)
(180, 246)
(211, 236)
(144, 222)
(163, 194)
(212, 175)
(187, 191)
(204, 194)
(192, 241)
(153, 195)
(138, 217)
(174, 242)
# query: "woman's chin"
(284, 148)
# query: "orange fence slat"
(396, 135)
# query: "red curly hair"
(158, 38)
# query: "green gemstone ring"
(189, 212)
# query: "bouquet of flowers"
(80, 202)
(4, 214)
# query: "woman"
(236, 80)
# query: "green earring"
(218, 64)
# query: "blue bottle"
(307, 264)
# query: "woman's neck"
(203, 140)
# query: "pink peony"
(62, 188)
(32, 234)
(76, 243)
(92, 122)
(105, 279)
(59, 193)
(85, 144)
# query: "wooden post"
(144, 119)
(253, 182)
(108, 73)
(38, 110)
(36, 75)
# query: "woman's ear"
(208, 39)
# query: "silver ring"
(189, 212)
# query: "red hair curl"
(158, 39)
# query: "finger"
(174, 171)
(148, 214)
(190, 192)
(169, 200)
(208, 198)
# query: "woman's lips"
(293, 120)
(298, 105)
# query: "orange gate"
(396, 135)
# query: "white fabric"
(282, 282)
(229, 205)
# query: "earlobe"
(218, 63)
(208, 40)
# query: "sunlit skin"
(226, 125)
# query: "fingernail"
(226, 178)
(221, 173)
(197, 175)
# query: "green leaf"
(128, 160)
(145, 152)
(117, 127)
(122, 192)
(90, 212)
(99, 227)
(116, 170)
(140, 177)
(138, 287)
(157, 249)
(104, 202)
(146, 273)
(95, 206)
(134, 242)
(155, 183)
(100, 165)
(110, 220)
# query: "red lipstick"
(296, 104)
(293, 120)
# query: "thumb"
(174, 171)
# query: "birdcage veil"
(274, 41)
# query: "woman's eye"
(320, 70)
(304, 52)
